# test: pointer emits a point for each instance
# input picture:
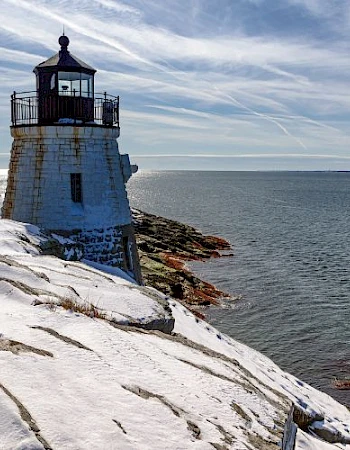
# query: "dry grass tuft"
(86, 308)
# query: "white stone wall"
(39, 186)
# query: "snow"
(306, 442)
(72, 381)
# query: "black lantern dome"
(65, 88)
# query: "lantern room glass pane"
(69, 84)
(86, 85)
(53, 82)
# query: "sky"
(204, 84)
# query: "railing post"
(13, 108)
(118, 110)
(74, 108)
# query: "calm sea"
(291, 270)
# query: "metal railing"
(28, 109)
(106, 109)
(24, 109)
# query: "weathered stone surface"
(67, 250)
(103, 245)
(314, 421)
(328, 434)
(163, 324)
(304, 418)
(42, 159)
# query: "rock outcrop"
(164, 247)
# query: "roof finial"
(64, 42)
(63, 30)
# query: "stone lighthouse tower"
(66, 174)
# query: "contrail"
(266, 117)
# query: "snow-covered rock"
(76, 373)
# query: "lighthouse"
(66, 174)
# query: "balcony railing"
(28, 109)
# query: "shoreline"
(164, 247)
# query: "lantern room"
(65, 88)
(65, 94)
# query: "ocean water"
(291, 267)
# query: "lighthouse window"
(86, 85)
(76, 188)
(75, 84)
(69, 83)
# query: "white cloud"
(318, 7)
(118, 6)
